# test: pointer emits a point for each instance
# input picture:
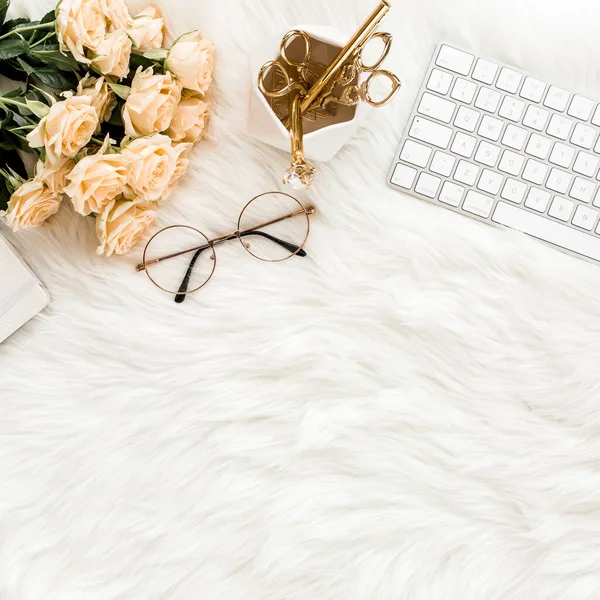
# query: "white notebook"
(22, 295)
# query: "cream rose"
(80, 24)
(189, 121)
(117, 15)
(103, 98)
(122, 225)
(191, 59)
(151, 104)
(30, 205)
(148, 28)
(111, 56)
(66, 129)
(54, 176)
(152, 163)
(182, 152)
(96, 180)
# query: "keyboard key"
(533, 89)
(596, 117)
(559, 127)
(478, 204)
(514, 137)
(583, 189)
(561, 209)
(442, 163)
(439, 81)
(562, 155)
(514, 191)
(535, 172)
(437, 108)
(485, 71)
(464, 145)
(538, 146)
(415, 154)
(585, 217)
(541, 227)
(463, 90)
(487, 154)
(511, 163)
(512, 109)
(586, 164)
(451, 193)
(488, 99)
(466, 172)
(596, 201)
(490, 128)
(536, 118)
(537, 200)
(428, 185)
(454, 60)
(432, 133)
(583, 136)
(490, 182)
(557, 98)
(509, 80)
(581, 108)
(404, 176)
(559, 181)
(466, 118)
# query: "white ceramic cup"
(321, 145)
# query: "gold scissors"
(290, 74)
(345, 89)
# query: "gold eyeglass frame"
(237, 234)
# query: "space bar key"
(547, 230)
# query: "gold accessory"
(311, 90)
(300, 175)
(351, 54)
(175, 259)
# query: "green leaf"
(9, 160)
(157, 54)
(6, 117)
(16, 93)
(55, 78)
(12, 23)
(49, 17)
(138, 60)
(116, 118)
(42, 95)
(120, 90)
(4, 4)
(26, 66)
(12, 71)
(11, 47)
(65, 62)
(38, 108)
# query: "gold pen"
(362, 35)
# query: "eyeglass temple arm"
(180, 297)
(183, 288)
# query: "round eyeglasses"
(272, 227)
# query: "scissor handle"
(288, 38)
(387, 46)
(290, 84)
(365, 88)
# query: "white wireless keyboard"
(493, 143)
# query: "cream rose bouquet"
(110, 114)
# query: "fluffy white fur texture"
(410, 412)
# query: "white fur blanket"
(410, 412)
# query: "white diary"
(22, 296)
